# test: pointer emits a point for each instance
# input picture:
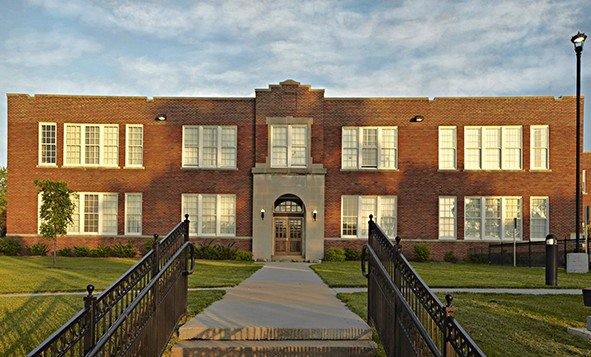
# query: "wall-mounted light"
(262, 213)
(314, 214)
(417, 119)
(161, 117)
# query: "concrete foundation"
(577, 263)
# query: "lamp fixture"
(314, 214)
(417, 119)
(161, 117)
(578, 40)
(262, 213)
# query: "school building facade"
(291, 173)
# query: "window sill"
(196, 168)
(540, 170)
(369, 170)
(448, 170)
(90, 167)
(46, 166)
(134, 168)
(494, 170)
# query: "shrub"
(334, 255)
(421, 252)
(81, 252)
(65, 252)
(38, 249)
(147, 245)
(210, 251)
(352, 254)
(450, 257)
(243, 255)
(477, 258)
(10, 246)
(123, 250)
(101, 251)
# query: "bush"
(421, 252)
(243, 255)
(334, 255)
(123, 250)
(82, 252)
(210, 251)
(450, 257)
(147, 245)
(65, 252)
(101, 251)
(352, 254)
(38, 249)
(477, 258)
(10, 246)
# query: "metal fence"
(409, 318)
(138, 313)
(527, 253)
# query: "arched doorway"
(288, 225)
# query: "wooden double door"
(289, 231)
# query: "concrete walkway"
(279, 307)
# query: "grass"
(221, 273)
(458, 275)
(513, 325)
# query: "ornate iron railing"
(409, 318)
(138, 313)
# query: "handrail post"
(89, 332)
(448, 349)
(156, 258)
(186, 222)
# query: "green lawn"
(221, 273)
(464, 275)
(513, 325)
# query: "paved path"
(485, 291)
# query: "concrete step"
(193, 330)
(342, 348)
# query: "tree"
(3, 201)
(56, 210)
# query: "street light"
(578, 40)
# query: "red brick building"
(292, 172)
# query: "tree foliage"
(56, 209)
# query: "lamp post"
(578, 40)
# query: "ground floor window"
(492, 217)
(539, 219)
(447, 217)
(94, 213)
(210, 214)
(355, 211)
(133, 213)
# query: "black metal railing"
(409, 318)
(138, 313)
(527, 253)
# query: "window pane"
(227, 214)
(133, 213)
(73, 144)
(135, 145)
(349, 219)
(190, 208)
(279, 150)
(210, 145)
(91, 145)
(91, 213)
(447, 217)
(350, 146)
(387, 219)
(208, 214)
(388, 150)
(74, 227)
(492, 214)
(48, 144)
(539, 217)
(492, 148)
(472, 217)
(369, 152)
(109, 213)
(228, 158)
(539, 148)
(511, 210)
(191, 146)
(111, 145)
(368, 206)
(447, 148)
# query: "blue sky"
(350, 48)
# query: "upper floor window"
(289, 145)
(91, 145)
(95, 213)
(540, 148)
(210, 214)
(369, 148)
(492, 217)
(47, 144)
(492, 148)
(355, 211)
(134, 142)
(209, 146)
(447, 148)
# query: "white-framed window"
(493, 148)
(210, 214)
(134, 145)
(447, 217)
(369, 148)
(289, 145)
(539, 147)
(94, 214)
(447, 147)
(91, 145)
(209, 146)
(47, 144)
(584, 181)
(540, 217)
(492, 217)
(133, 213)
(355, 211)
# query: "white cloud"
(52, 48)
